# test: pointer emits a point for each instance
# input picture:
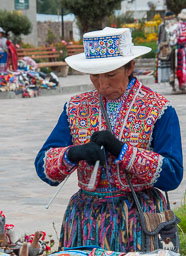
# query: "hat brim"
(103, 65)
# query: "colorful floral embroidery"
(54, 168)
(134, 125)
(101, 47)
(144, 166)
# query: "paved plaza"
(25, 125)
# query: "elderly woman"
(123, 126)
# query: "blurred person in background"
(181, 50)
(8, 55)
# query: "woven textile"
(109, 222)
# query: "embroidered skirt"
(106, 221)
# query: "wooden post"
(62, 23)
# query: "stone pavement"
(25, 125)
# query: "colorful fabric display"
(26, 82)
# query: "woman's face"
(1, 35)
(112, 84)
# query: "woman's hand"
(90, 152)
(109, 141)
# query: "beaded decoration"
(113, 106)
(133, 126)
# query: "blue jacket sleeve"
(59, 137)
(167, 142)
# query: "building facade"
(139, 8)
(28, 8)
(53, 23)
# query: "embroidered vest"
(134, 125)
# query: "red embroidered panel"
(54, 170)
(84, 119)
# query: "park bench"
(74, 49)
(47, 57)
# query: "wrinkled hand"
(109, 141)
(90, 152)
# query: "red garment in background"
(12, 58)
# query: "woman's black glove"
(90, 152)
(108, 140)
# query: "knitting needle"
(94, 174)
(90, 185)
(57, 192)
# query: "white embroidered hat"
(106, 50)
(182, 14)
(2, 30)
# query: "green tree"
(176, 6)
(47, 6)
(91, 14)
(15, 23)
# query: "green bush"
(16, 23)
(26, 45)
(183, 244)
(181, 214)
(51, 37)
(138, 34)
(140, 38)
(152, 45)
